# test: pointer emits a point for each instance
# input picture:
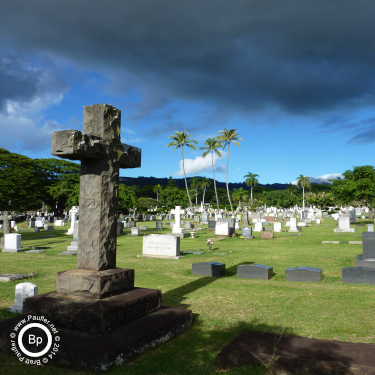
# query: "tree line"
(27, 184)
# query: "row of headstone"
(259, 271)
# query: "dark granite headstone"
(159, 225)
(358, 275)
(247, 232)
(304, 274)
(208, 269)
(120, 228)
(211, 225)
(368, 240)
(254, 271)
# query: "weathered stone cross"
(102, 155)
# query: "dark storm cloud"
(302, 56)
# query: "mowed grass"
(222, 307)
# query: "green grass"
(222, 307)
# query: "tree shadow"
(178, 295)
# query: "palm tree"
(205, 184)
(303, 181)
(291, 188)
(239, 194)
(180, 139)
(157, 189)
(251, 180)
(194, 184)
(211, 146)
(226, 137)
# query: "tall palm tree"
(157, 189)
(195, 183)
(205, 184)
(180, 139)
(211, 145)
(303, 181)
(251, 180)
(239, 194)
(226, 138)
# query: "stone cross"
(177, 216)
(102, 154)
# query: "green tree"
(226, 138)
(58, 177)
(195, 182)
(320, 199)
(147, 202)
(181, 139)
(171, 182)
(157, 190)
(19, 184)
(239, 194)
(205, 184)
(251, 180)
(173, 196)
(211, 145)
(281, 199)
(126, 199)
(304, 182)
(357, 187)
(291, 188)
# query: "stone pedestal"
(12, 243)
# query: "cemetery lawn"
(222, 307)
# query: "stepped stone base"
(364, 263)
(82, 351)
(97, 316)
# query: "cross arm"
(75, 145)
(130, 156)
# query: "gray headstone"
(208, 269)
(159, 225)
(74, 244)
(247, 232)
(255, 271)
(304, 274)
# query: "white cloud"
(201, 165)
(127, 131)
(323, 179)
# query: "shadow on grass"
(175, 296)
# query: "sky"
(295, 78)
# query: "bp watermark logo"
(34, 340)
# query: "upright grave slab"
(12, 243)
(91, 298)
(247, 232)
(211, 225)
(161, 246)
(344, 224)
(23, 290)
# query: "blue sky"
(297, 79)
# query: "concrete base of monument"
(360, 262)
(95, 284)
(68, 253)
(13, 250)
(159, 256)
(98, 316)
(82, 351)
(181, 235)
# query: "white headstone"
(293, 225)
(23, 290)
(277, 226)
(370, 227)
(135, 231)
(12, 243)
(161, 246)
(258, 227)
(222, 228)
(344, 224)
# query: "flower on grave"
(209, 244)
